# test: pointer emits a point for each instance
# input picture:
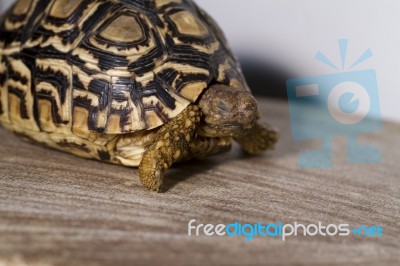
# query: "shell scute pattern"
(107, 67)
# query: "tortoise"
(138, 83)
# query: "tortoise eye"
(222, 106)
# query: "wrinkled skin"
(222, 114)
(227, 112)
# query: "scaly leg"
(258, 139)
(204, 147)
(171, 144)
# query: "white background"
(288, 34)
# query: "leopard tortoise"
(132, 82)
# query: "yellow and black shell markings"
(76, 73)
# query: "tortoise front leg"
(258, 139)
(171, 144)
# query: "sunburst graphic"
(343, 44)
(344, 103)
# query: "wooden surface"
(57, 209)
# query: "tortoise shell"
(112, 67)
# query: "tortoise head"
(227, 112)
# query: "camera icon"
(328, 106)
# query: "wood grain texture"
(57, 209)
